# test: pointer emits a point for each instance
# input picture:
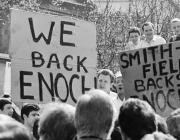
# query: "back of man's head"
(95, 114)
(27, 108)
(3, 102)
(57, 122)
(13, 130)
(136, 118)
(173, 122)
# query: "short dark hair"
(3, 102)
(134, 30)
(106, 72)
(27, 108)
(136, 118)
(147, 24)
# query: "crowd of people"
(100, 114)
(149, 38)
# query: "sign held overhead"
(53, 57)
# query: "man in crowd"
(134, 39)
(150, 38)
(136, 118)
(95, 116)
(175, 25)
(173, 122)
(120, 85)
(158, 136)
(16, 111)
(6, 107)
(29, 114)
(105, 79)
(57, 122)
(10, 129)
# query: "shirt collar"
(154, 37)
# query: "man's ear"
(24, 117)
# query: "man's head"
(158, 136)
(148, 30)
(95, 114)
(13, 130)
(173, 122)
(105, 80)
(134, 35)
(120, 85)
(29, 113)
(175, 25)
(136, 118)
(57, 122)
(6, 107)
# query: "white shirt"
(157, 40)
(131, 46)
(117, 101)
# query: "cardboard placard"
(53, 57)
(153, 74)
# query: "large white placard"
(53, 57)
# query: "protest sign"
(153, 74)
(53, 57)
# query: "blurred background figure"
(134, 41)
(150, 38)
(120, 85)
(175, 27)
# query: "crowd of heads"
(99, 114)
(93, 118)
